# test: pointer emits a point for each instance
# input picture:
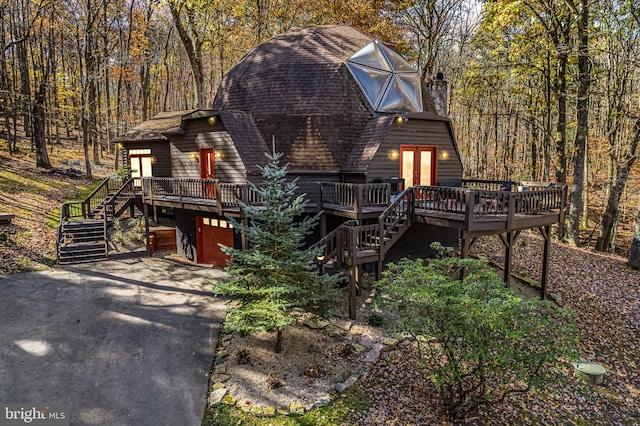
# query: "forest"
(539, 90)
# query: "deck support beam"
(145, 209)
(353, 290)
(546, 234)
(509, 241)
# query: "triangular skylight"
(389, 83)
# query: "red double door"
(418, 165)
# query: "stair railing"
(400, 209)
(332, 245)
(116, 203)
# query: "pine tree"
(275, 278)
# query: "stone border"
(366, 345)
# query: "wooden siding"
(200, 134)
(159, 149)
(417, 132)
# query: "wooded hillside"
(539, 90)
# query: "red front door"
(207, 171)
(418, 165)
(212, 232)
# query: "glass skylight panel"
(389, 83)
(371, 56)
(372, 82)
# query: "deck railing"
(491, 185)
(355, 195)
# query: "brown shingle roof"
(153, 129)
(247, 139)
(367, 145)
(297, 89)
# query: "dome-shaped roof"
(298, 88)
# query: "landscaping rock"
(269, 411)
(391, 341)
(315, 323)
(256, 410)
(374, 353)
(322, 402)
(219, 369)
(366, 341)
(217, 386)
(229, 400)
(296, 408)
(215, 397)
(283, 410)
(343, 324)
(357, 348)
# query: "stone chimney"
(438, 88)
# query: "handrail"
(401, 208)
(331, 244)
(361, 238)
(119, 200)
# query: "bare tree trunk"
(634, 254)
(192, 45)
(42, 158)
(610, 215)
(582, 129)
(278, 347)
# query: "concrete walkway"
(122, 342)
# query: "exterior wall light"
(394, 154)
(218, 155)
(193, 156)
(401, 119)
(153, 160)
(212, 120)
(444, 155)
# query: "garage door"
(212, 232)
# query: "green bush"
(481, 342)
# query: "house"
(360, 131)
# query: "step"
(79, 248)
(86, 259)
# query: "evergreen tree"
(275, 278)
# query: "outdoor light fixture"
(153, 160)
(394, 155)
(212, 120)
(444, 155)
(401, 119)
(193, 156)
(218, 155)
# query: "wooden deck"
(471, 210)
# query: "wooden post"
(359, 202)
(465, 246)
(546, 233)
(352, 291)
(508, 242)
(243, 235)
(563, 212)
(146, 227)
(468, 214)
(323, 225)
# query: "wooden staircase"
(351, 244)
(82, 241)
(82, 234)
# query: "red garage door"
(212, 232)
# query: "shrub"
(482, 342)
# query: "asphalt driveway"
(122, 342)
